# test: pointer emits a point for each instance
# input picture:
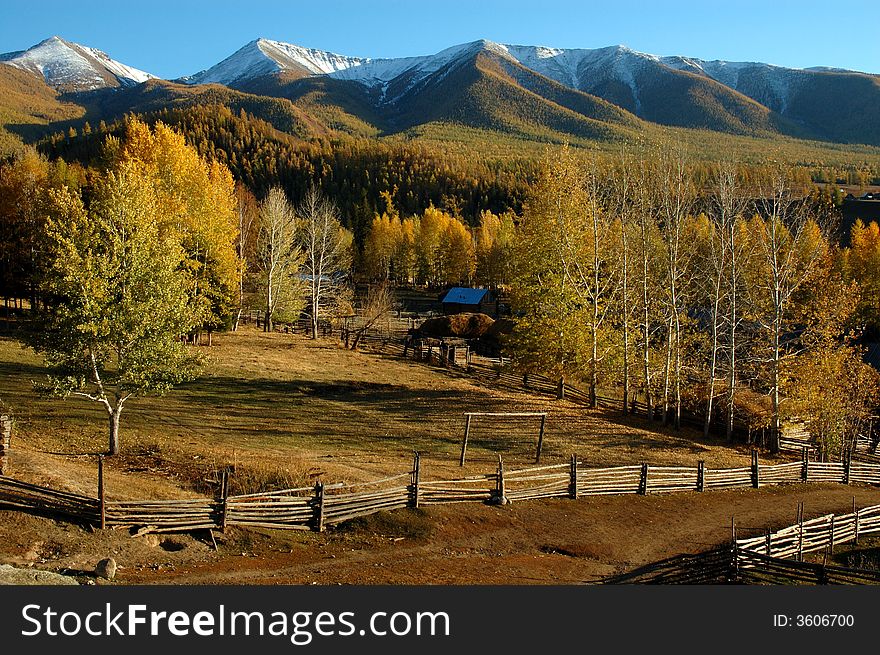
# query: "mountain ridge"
(569, 89)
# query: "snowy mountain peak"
(265, 57)
(68, 66)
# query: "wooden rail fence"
(814, 535)
(773, 558)
(315, 507)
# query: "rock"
(152, 540)
(106, 568)
(9, 575)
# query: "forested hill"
(355, 172)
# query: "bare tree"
(676, 201)
(278, 253)
(789, 246)
(378, 304)
(621, 204)
(646, 228)
(325, 244)
(730, 256)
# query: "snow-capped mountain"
(738, 97)
(499, 85)
(264, 57)
(588, 70)
(68, 66)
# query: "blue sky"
(173, 38)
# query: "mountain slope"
(70, 67)
(476, 85)
(649, 87)
(835, 105)
(485, 89)
(156, 95)
(675, 91)
(27, 106)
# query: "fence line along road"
(314, 508)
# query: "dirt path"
(542, 542)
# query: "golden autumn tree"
(117, 297)
(862, 265)
(789, 248)
(199, 204)
(381, 245)
(551, 333)
(827, 383)
(493, 245)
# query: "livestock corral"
(283, 426)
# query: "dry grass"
(285, 411)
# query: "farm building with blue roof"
(466, 299)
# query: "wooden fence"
(314, 508)
(773, 558)
(815, 535)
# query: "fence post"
(319, 506)
(643, 480)
(540, 439)
(416, 472)
(735, 548)
(805, 464)
(573, 478)
(467, 431)
(500, 491)
(846, 466)
(768, 543)
(831, 538)
(102, 503)
(224, 498)
(701, 475)
(755, 468)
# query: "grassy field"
(285, 410)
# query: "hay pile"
(485, 335)
(464, 326)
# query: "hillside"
(27, 106)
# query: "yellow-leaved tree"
(198, 202)
(116, 295)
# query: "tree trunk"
(711, 389)
(315, 318)
(667, 369)
(267, 322)
(594, 373)
(777, 362)
(677, 374)
(625, 331)
(713, 366)
(114, 431)
(731, 378)
(646, 346)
